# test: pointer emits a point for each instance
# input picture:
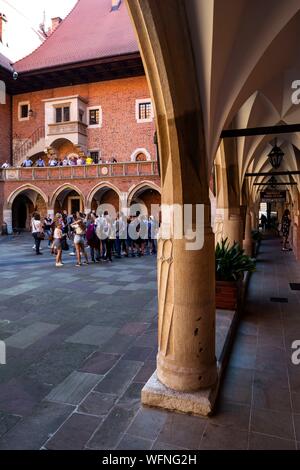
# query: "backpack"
(90, 233)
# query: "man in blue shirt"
(40, 162)
(27, 163)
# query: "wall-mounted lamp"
(31, 113)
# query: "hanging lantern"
(276, 156)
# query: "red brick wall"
(120, 134)
(5, 130)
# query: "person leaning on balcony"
(65, 162)
(89, 160)
(5, 165)
(27, 163)
(53, 161)
(40, 163)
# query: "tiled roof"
(5, 63)
(90, 31)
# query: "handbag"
(64, 244)
(41, 235)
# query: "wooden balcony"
(101, 171)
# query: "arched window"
(141, 157)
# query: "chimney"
(55, 22)
(115, 4)
(3, 21)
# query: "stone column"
(7, 218)
(186, 357)
(124, 203)
(254, 225)
(247, 242)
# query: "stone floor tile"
(74, 388)
(26, 337)
(74, 433)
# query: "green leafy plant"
(232, 262)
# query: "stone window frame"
(137, 110)
(20, 104)
(91, 108)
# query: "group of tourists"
(106, 236)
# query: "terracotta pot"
(227, 294)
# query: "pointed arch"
(23, 189)
(63, 187)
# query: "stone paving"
(81, 343)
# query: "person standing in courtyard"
(37, 231)
(285, 229)
(57, 244)
(80, 231)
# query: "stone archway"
(148, 195)
(106, 195)
(21, 204)
(67, 198)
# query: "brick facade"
(120, 134)
(5, 130)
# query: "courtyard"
(82, 342)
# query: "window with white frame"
(94, 116)
(144, 110)
(23, 110)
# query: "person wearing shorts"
(57, 238)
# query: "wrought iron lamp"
(275, 156)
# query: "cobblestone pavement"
(81, 343)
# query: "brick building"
(83, 91)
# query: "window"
(81, 114)
(144, 110)
(95, 116)
(95, 156)
(23, 112)
(62, 114)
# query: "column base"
(201, 402)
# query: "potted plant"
(231, 265)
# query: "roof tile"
(90, 31)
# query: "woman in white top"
(37, 231)
(57, 238)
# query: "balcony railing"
(104, 170)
